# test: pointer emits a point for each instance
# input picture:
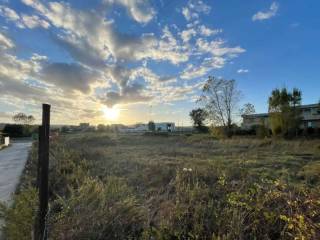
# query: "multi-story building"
(310, 115)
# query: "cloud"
(207, 32)
(186, 35)
(139, 10)
(34, 21)
(23, 21)
(242, 70)
(5, 42)
(9, 13)
(194, 8)
(92, 40)
(69, 77)
(129, 94)
(260, 16)
(217, 48)
(208, 64)
(109, 65)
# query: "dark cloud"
(69, 77)
(129, 94)
(17, 88)
(82, 51)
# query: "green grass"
(109, 186)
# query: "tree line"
(22, 126)
(219, 108)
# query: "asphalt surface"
(12, 162)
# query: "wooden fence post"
(43, 171)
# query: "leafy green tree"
(198, 116)
(285, 114)
(101, 128)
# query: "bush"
(219, 132)
(20, 217)
(262, 131)
(16, 130)
(98, 211)
(264, 210)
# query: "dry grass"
(109, 186)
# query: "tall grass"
(175, 187)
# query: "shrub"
(262, 131)
(19, 218)
(219, 132)
(16, 130)
(98, 211)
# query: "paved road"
(12, 161)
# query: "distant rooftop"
(267, 114)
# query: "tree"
(198, 117)
(220, 98)
(285, 114)
(22, 118)
(151, 126)
(248, 109)
(101, 128)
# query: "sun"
(111, 114)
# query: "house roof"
(255, 115)
(310, 106)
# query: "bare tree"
(22, 118)
(248, 109)
(220, 98)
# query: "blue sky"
(148, 59)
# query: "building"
(4, 140)
(134, 129)
(249, 121)
(310, 115)
(165, 127)
(84, 125)
(159, 127)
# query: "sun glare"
(111, 114)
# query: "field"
(109, 186)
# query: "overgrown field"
(174, 187)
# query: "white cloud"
(186, 35)
(34, 21)
(139, 10)
(208, 64)
(241, 70)
(5, 42)
(217, 48)
(23, 21)
(186, 13)
(11, 16)
(194, 8)
(102, 69)
(260, 16)
(9, 13)
(207, 32)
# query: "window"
(309, 124)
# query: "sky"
(129, 61)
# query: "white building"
(6, 141)
(165, 127)
(140, 128)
